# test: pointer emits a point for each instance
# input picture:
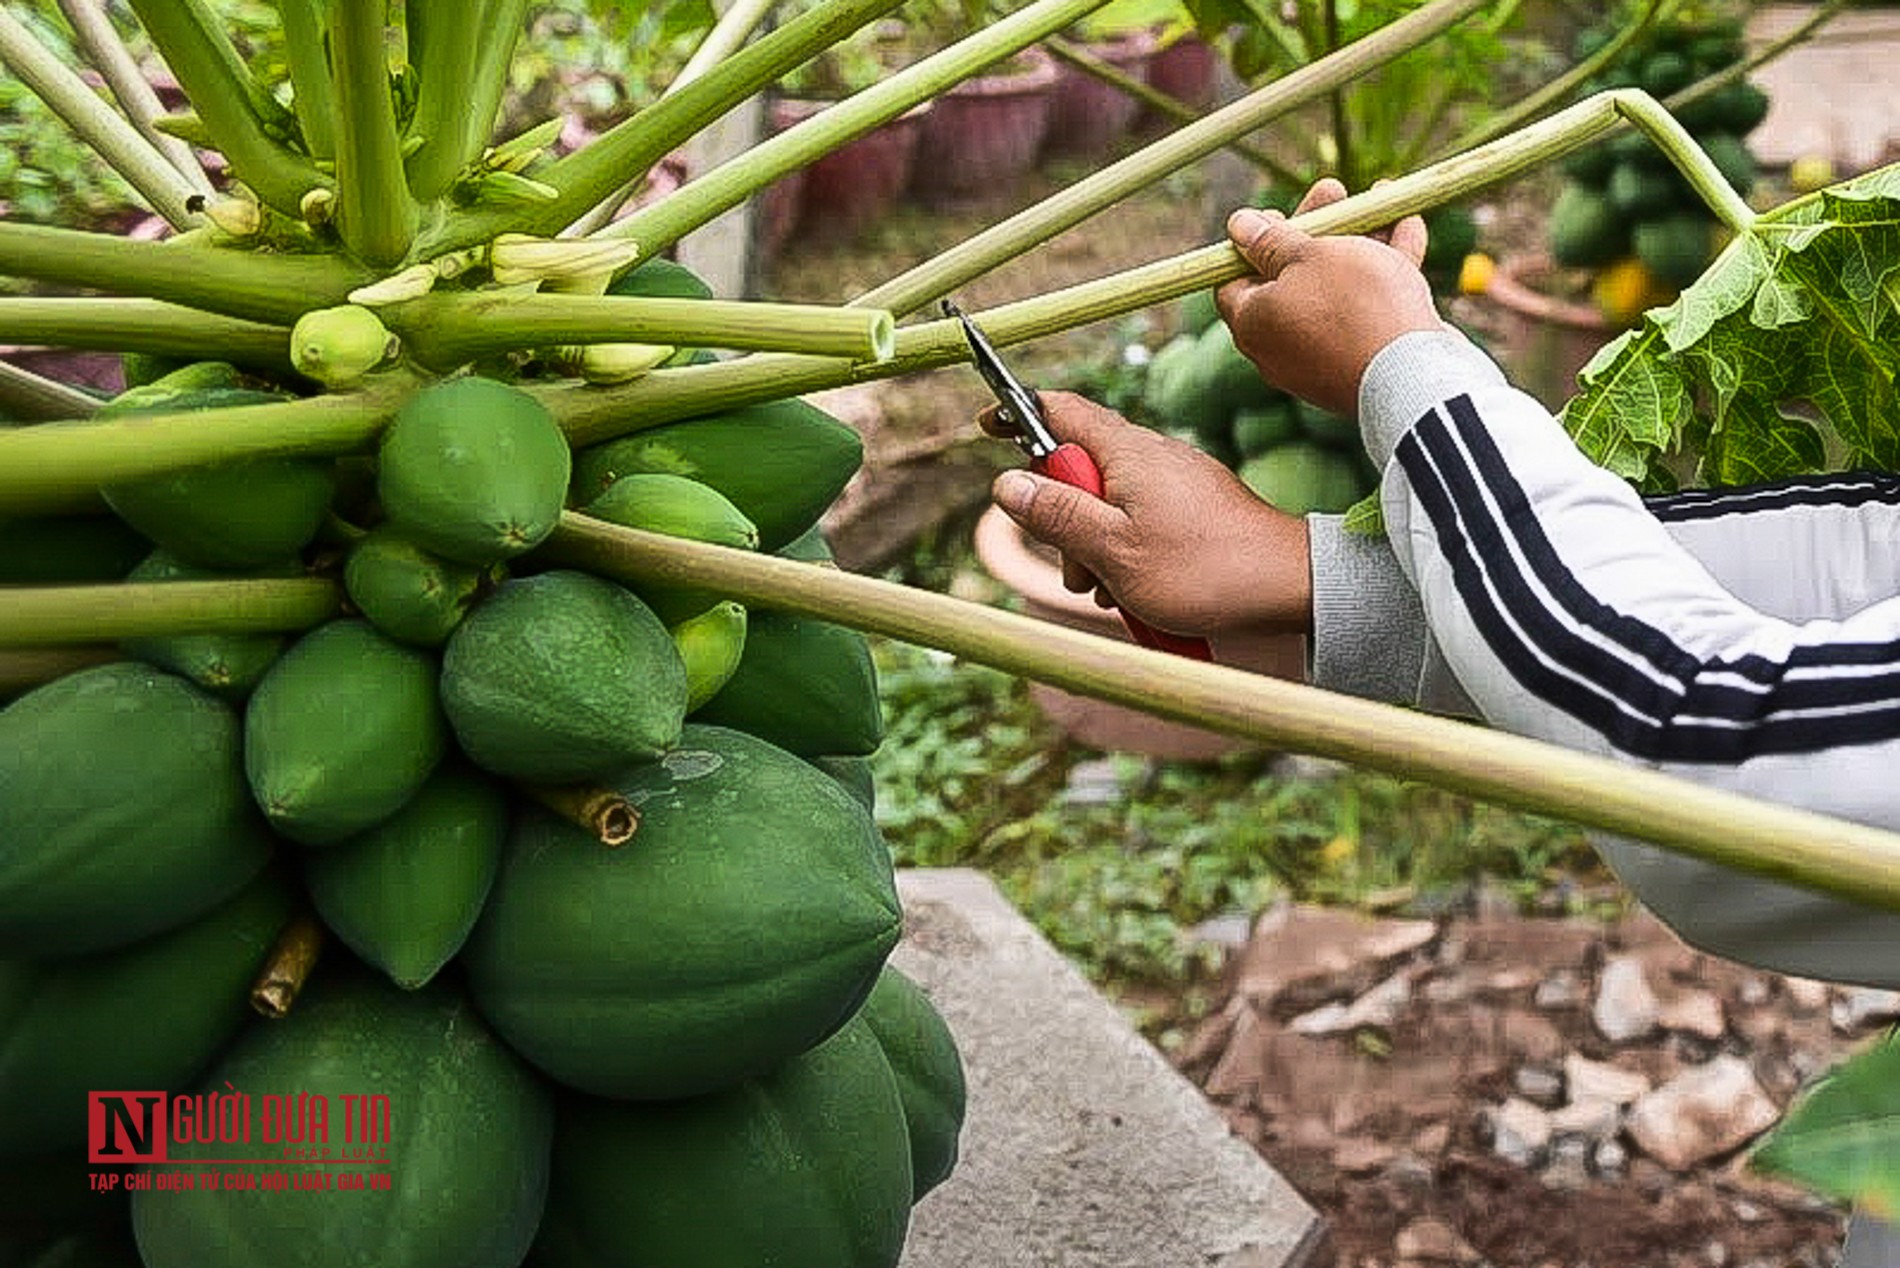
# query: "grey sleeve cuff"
(1413, 374)
(1368, 627)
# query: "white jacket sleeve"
(1567, 610)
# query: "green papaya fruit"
(1585, 230)
(140, 368)
(1198, 311)
(187, 379)
(1732, 158)
(744, 923)
(1302, 478)
(855, 775)
(923, 1055)
(404, 895)
(55, 1218)
(809, 546)
(123, 810)
(57, 550)
(710, 647)
(1676, 248)
(807, 686)
(679, 507)
(1261, 427)
(407, 592)
(781, 463)
(1323, 427)
(808, 1167)
(341, 732)
(149, 1016)
(1231, 381)
(230, 516)
(562, 677)
(473, 470)
(466, 1139)
(228, 665)
(660, 278)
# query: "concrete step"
(1083, 1147)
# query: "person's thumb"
(1265, 238)
(1062, 515)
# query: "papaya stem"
(1779, 842)
(449, 135)
(727, 37)
(609, 816)
(147, 170)
(445, 330)
(49, 470)
(33, 398)
(375, 213)
(141, 325)
(1068, 207)
(48, 616)
(26, 669)
(288, 967)
(128, 83)
(268, 288)
(623, 155)
(251, 128)
(306, 34)
(657, 227)
(1161, 103)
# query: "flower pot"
(1088, 117)
(984, 134)
(858, 184)
(1034, 573)
(1185, 70)
(1545, 340)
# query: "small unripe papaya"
(409, 593)
(679, 507)
(474, 470)
(337, 346)
(710, 646)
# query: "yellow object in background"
(1474, 275)
(1811, 172)
(1627, 289)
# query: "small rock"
(1701, 1113)
(1505, 981)
(1806, 994)
(1715, 1255)
(1302, 766)
(1561, 989)
(1538, 1085)
(1609, 1158)
(1301, 956)
(1379, 1009)
(1411, 1172)
(1697, 1013)
(1753, 992)
(1531, 1037)
(1599, 1081)
(1432, 1138)
(1447, 990)
(1097, 782)
(1859, 1007)
(1626, 1008)
(1520, 1132)
(1433, 1241)
(1229, 931)
(1747, 1212)
(1358, 1156)
(1569, 1166)
(1589, 1120)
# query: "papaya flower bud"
(516, 257)
(338, 346)
(411, 283)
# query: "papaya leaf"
(1755, 450)
(1842, 1137)
(1801, 309)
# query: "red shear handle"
(1071, 465)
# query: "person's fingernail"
(1014, 491)
(1248, 222)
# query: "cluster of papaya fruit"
(1625, 208)
(1296, 456)
(685, 1047)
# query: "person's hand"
(1175, 538)
(1322, 308)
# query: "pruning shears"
(1018, 407)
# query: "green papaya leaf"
(1842, 1138)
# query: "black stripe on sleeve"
(1689, 715)
(1842, 489)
